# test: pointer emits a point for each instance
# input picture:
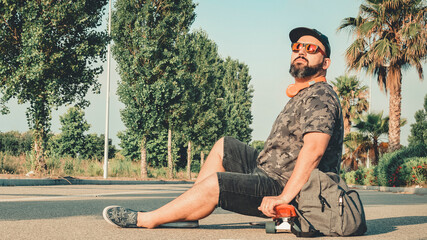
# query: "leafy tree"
(419, 128)
(371, 126)
(48, 56)
(15, 143)
(353, 98)
(390, 36)
(129, 143)
(94, 148)
(202, 66)
(258, 145)
(237, 100)
(145, 35)
(356, 144)
(72, 140)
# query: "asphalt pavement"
(75, 212)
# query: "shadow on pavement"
(386, 225)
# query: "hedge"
(389, 170)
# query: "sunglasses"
(309, 48)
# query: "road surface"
(75, 212)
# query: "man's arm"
(315, 144)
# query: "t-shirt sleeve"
(319, 113)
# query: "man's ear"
(326, 63)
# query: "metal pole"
(107, 105)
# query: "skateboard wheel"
(270, 227)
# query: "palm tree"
(390, 35)
(371, 127)
(356, 145)
(353, 98)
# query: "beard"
(298, 71)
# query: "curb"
(74, 181)
(407, 190)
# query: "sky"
(255, 33)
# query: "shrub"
(370, 178)
(362, 176)
(53, 163)
(7, 166)
(123, 168)
(159, 172)
(195, 166)
(69, 167)
(95, 169)
(414, 171)
(355, 177)
(15, 143)
(389, 166)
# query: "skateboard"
(285, 214)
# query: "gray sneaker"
(127, 218)
(120, 216)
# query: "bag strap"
(295, 228)
(297, 231)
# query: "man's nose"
(302, 52)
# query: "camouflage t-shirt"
(313, 109)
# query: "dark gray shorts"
(243, 185)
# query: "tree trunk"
(40, 164)
(189, 160)
(376, 153)
(394, 121)
(144, 173)
(170, 163)
(202, 158)
(40, 121)
(347, 125)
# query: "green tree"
(237, 100)
(353, 98)
(94, 148)
(202, 66)
(72, 139)
(372, 126)
(48, 56)
(145, 35)
(357, 145)
(258, 145)
(390, 36)
(15, 143)
(129, 142)
(419, 128)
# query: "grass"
(61, 167)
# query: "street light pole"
(107, 105)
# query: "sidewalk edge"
(410, 190)
(74, 181)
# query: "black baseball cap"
(296, 33)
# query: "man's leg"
(198, 202)
(213, 163)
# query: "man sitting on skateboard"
(307, 134)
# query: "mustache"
(301, 58)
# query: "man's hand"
(268, 204)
